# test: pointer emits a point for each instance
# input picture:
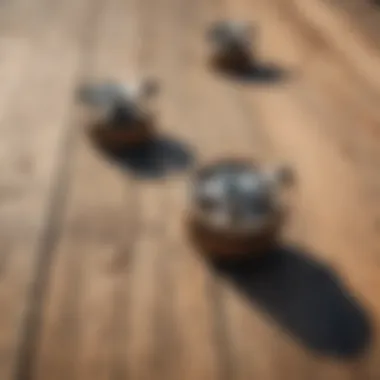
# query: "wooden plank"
(256, 347)
(284, 99)
(363, 15)
(13, 181)
(347, 112)
(227, 130)
(147, 285)
(332, 26)
(249, 350)
(327, 241)
(22, 18)
(104, 234)
(32, 139)
(191, 343)
(350, 121)
(312, 47)
(313, 78)
(14, 53)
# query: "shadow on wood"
(304, 297)
(153, 159)
(258, 73)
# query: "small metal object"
(231, 44)
(236, 207)
(122, 116)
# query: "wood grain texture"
(84, 313)
(291, 100)
(33, 138)
(97, 278)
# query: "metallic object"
(121, 115)
(236, 207)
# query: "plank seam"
(27, 349)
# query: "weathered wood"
(186, 315)
(332, 244)
(13, 188)
(33, 135)
(84, 313)
(98, 280)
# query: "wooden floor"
(96, 278)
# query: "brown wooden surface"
(97, 279)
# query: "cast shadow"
(258, 73)
(154, 159)
(304, 297)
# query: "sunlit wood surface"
(97, 280)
